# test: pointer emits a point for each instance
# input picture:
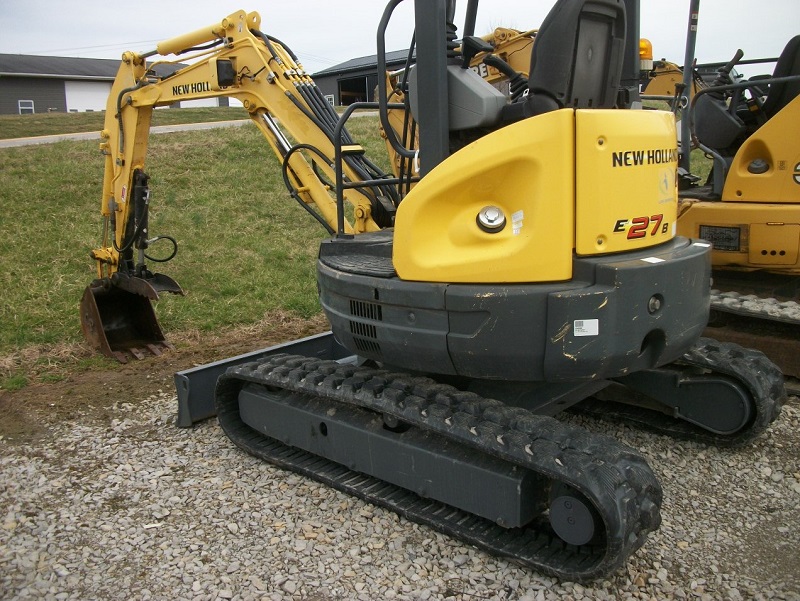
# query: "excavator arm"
(230, 59)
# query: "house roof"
(393, 59)
(63, 67)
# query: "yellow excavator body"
(755, 224)
(622, 198)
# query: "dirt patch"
(68, 385)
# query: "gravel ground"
(137, 508)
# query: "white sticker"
(586, 327)
(516, 222)
(653, 260)
(701, 244)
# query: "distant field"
(47, 124)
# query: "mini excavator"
(532, 265)
(749, 208)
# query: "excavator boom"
(230, 59)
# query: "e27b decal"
(640, 227)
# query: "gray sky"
(325, 32)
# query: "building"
(357, 79)
(41, 84)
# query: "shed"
(41, 84)
(355, 80)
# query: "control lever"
(472, 45)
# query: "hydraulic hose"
(382, 97)
(171, 256)
(293, 191)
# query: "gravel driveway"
(134, 508)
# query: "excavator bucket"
(118, 318)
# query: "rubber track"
(751, 368)
(619, 482)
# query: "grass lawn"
(245, 247)
(46, 124)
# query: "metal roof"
(63, 67)
(393, 59)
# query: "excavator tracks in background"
(759, 310)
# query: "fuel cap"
(491, 219)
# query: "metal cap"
(491, 219)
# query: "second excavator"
(532, 265)
(749, 206)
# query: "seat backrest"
(577, 56)
(781, 94)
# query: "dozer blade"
(118, 318)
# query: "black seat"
(724, 127)
(781, 94)
(576, 61)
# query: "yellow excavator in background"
(533, 264)
(663, 79)
(749, 207)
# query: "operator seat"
(724, 127)
(781, 94)
(576, 61)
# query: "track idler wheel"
(572, 516)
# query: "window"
(25, 107)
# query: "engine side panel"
(626, 194)
(526, 171)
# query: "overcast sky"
(327, 32)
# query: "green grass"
(700, 165)
(13, 382)
(245, 247)
(45, 124)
